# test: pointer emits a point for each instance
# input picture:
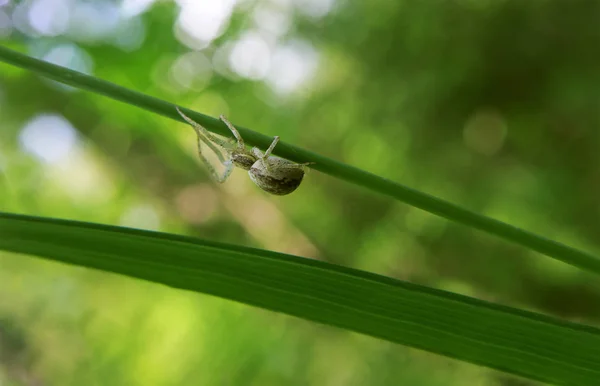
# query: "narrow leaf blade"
(499, 337)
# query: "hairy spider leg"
(227, 163)
(271, 147)
(211, 146)
(267, 154)
(236, 134)
(298, 166)
(219, 178)
(229, 166)
(263, 157)
(207, 134)
(202, 134)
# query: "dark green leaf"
(503, 338)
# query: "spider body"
(243, 160)
(272, 174)
(280, 177)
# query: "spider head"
(243, 159)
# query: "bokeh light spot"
(273, 20)
(201, 21)
(49, 137)
(70, 56)
(132, 8)
(315, 8)
(197, 204)
(251, 56)
(130, 34)
(49, 17)
(292, 65)
(94, 21)
(485, 132)
(83, 178)
(141, 217)
(192, 70)
(5, 25)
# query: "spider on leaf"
(272, 174)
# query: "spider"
(272, 174)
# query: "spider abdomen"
(282, 176)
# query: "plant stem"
(323, 164)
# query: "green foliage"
(491, 105)
(334, 168)
(500, 337)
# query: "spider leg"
(270, 149)
(300, 166)
(263, 157)
(213, 171)
(209, 140)
(211, 146)
(303, 166)
(236, 134)
(228, 169)
(200, 129)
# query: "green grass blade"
(334, 168)
(500, 337)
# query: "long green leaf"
(326, 165)
(500, 337)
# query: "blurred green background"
(491, 104)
